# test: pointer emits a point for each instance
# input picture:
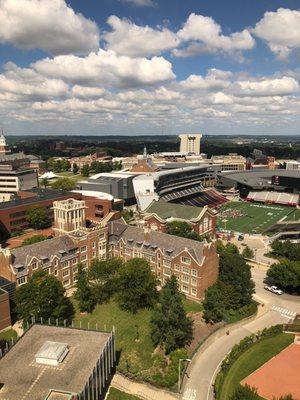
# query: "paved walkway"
(141, 390)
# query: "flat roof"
(259, 178)
(94, 193)
(24, 379)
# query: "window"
(194, 272)
(22, 280)
(66, 282)
(83, 249)
(65, 264)
(194, 292)
(194, 281)
(65, 273)
(177, 267)
(185, 288)
(55, 262)
(74, 261)
(185, 278)
(75, 269)
(186, 260)
(167, 272)
(94, 245)
(34, 265)
(185, 270)
(83, 257)
(55, 272)
(75, 278)
(94, 254)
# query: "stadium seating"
(274, 197)
(207, 197)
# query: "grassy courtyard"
(8, 335)
(248, 217)
(250, 360)
(115, 394)
(133, 340)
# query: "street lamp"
(179, 375)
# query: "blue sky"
(149, 66)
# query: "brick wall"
(5, 321)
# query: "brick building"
(194, 263)
(5, 321)
(202, 220)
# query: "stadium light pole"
(179, 365)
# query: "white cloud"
(268, 87)
(106, 68)
(127, 38)
(50, 25)
(205, 35)
(140, 3)
(281, 30)
(84, 92)
(215, 80)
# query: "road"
(205, 364)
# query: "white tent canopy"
(48, 175)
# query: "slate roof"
(46, 248)
(149, 242)
(167, 210)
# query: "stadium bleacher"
(207, 197)
(282, 198)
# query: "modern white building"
(190, 143)
(12, 181)
(293, 165)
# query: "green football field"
(251, 217)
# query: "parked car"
(273, 289)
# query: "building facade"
(190, 143)
(5, 320)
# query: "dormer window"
(34, 265)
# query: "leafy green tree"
(183, 229)
(45, 182)
(64, 184)
(85, 171)
(286, 249)
(84, 295)
(286, 274)
(43, 297)
(75, 169)
(37, 218)
(34, 239)
(136, 286)
(171, 328)
(236, 272)
(247, 252)
(65, 166)
(245, 393)
(104, 278)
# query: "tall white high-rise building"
(190, 143)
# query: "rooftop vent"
(52, 353)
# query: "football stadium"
(248, 217)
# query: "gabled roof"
(151, 241)
(166, 210)
(46, 248)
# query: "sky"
(139, 67)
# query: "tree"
(45, 182)
(286, 274)
(104, 278)
(43, 297)
(286, 249)
(37, 218)
(183, 229)
(34, 239)
(245, 393)
(75, 169)
(64, 184)
(247, 252)
(85, 170)
(136, 286)
(84, 296)
(171, 328)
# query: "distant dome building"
(3, 146)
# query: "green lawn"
(253, 218)
(294, 215)
(115, 394)
(8, 335)
(251, 359)
(70, 175)
(132, 334)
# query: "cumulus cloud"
(215, 80)
(127, 38)
(106, 68)
(50, 25)
(281, 30)
(268, 87)
(205, 35)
